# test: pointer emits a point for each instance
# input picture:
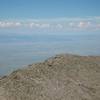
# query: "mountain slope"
(63, 77)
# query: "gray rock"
(63, 77)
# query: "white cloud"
(71, 24)
(59, 24)
(9, 24)
(18, 24)
(32, 25)
(83, 24)
(44, 25)
(38, 25)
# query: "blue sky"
(49, 15)
(48, 8)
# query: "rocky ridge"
(63, 77)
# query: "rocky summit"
(63, 77)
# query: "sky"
(49, 16)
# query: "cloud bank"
(56, 24)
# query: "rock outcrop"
(63, 77)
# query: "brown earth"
(63, 77)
